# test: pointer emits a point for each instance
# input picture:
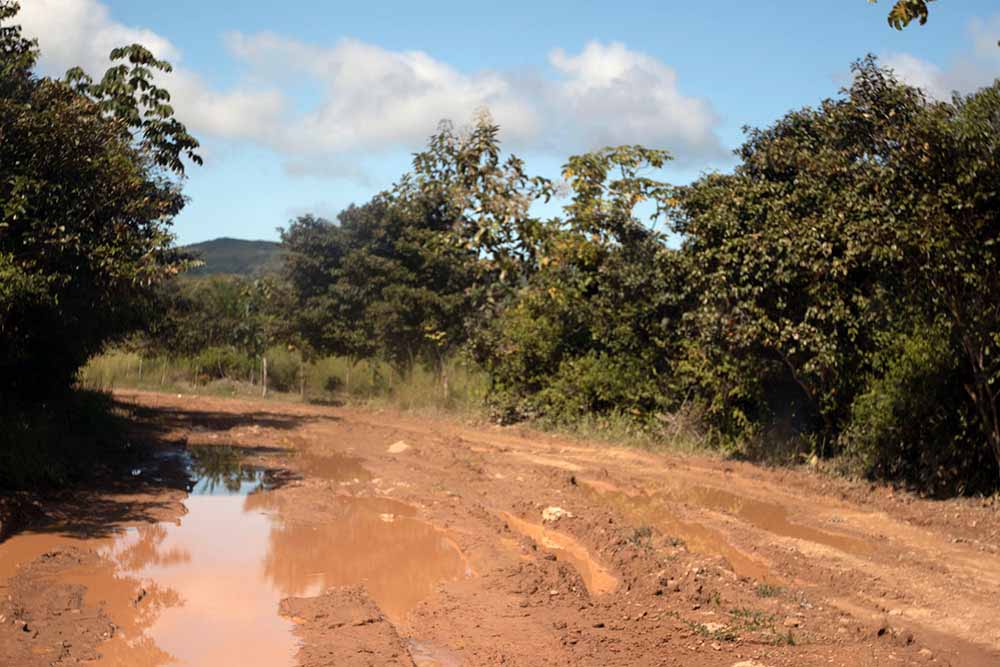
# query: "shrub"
(911, 423)
(283, 369)
(217, 363)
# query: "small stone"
(555, 513)
(895, 612)
(398, 447)
(926, 654)
(792, 622)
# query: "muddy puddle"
(653, 508)
(598, 580)
(206, 588)
(428, 655)
(648, 510)
(331, 466)
(770, 517)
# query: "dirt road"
(262, 533)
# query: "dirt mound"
(344, 628)
(44, 620)
(486, 546)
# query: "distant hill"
(236, 256)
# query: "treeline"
(90, 176)
(837, 294)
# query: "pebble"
(398, 447)
(555, 513)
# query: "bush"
(911, 423)
(218, 363)
(598, 384)
(90, 180)
(283, 369)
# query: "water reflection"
(220, 470)
(376, 542)
(206, 589)
(333, 466)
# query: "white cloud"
(82, 32)
(618, 96)
(373, 98)
(363, 99)
(919, 73)
(971, 70)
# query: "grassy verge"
(373, 384)
(332, 379)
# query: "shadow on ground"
(147, 479)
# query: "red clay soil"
(391, 539)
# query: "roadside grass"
(374, 383)
(765, 590)
(327, 380)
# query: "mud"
(259, 533)
(598, 579)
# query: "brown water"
(653, 508)
(333, 466)
(767, 516)
(205, 590)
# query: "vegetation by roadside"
(834, 296)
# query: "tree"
(90, 178)
(590, 331)
(946, 182)
(905, 12)
(404, 275)
(791, 258)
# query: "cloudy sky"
(309, 105)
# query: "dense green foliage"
(90, 176)
(405, 275)
(845, 231)
(89, 181)
(904, 12)
(836, 294)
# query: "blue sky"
(309, 105)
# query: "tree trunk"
(163, 376)
(302, 378)
(263, 376)
(443, 375)
(140, 368)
